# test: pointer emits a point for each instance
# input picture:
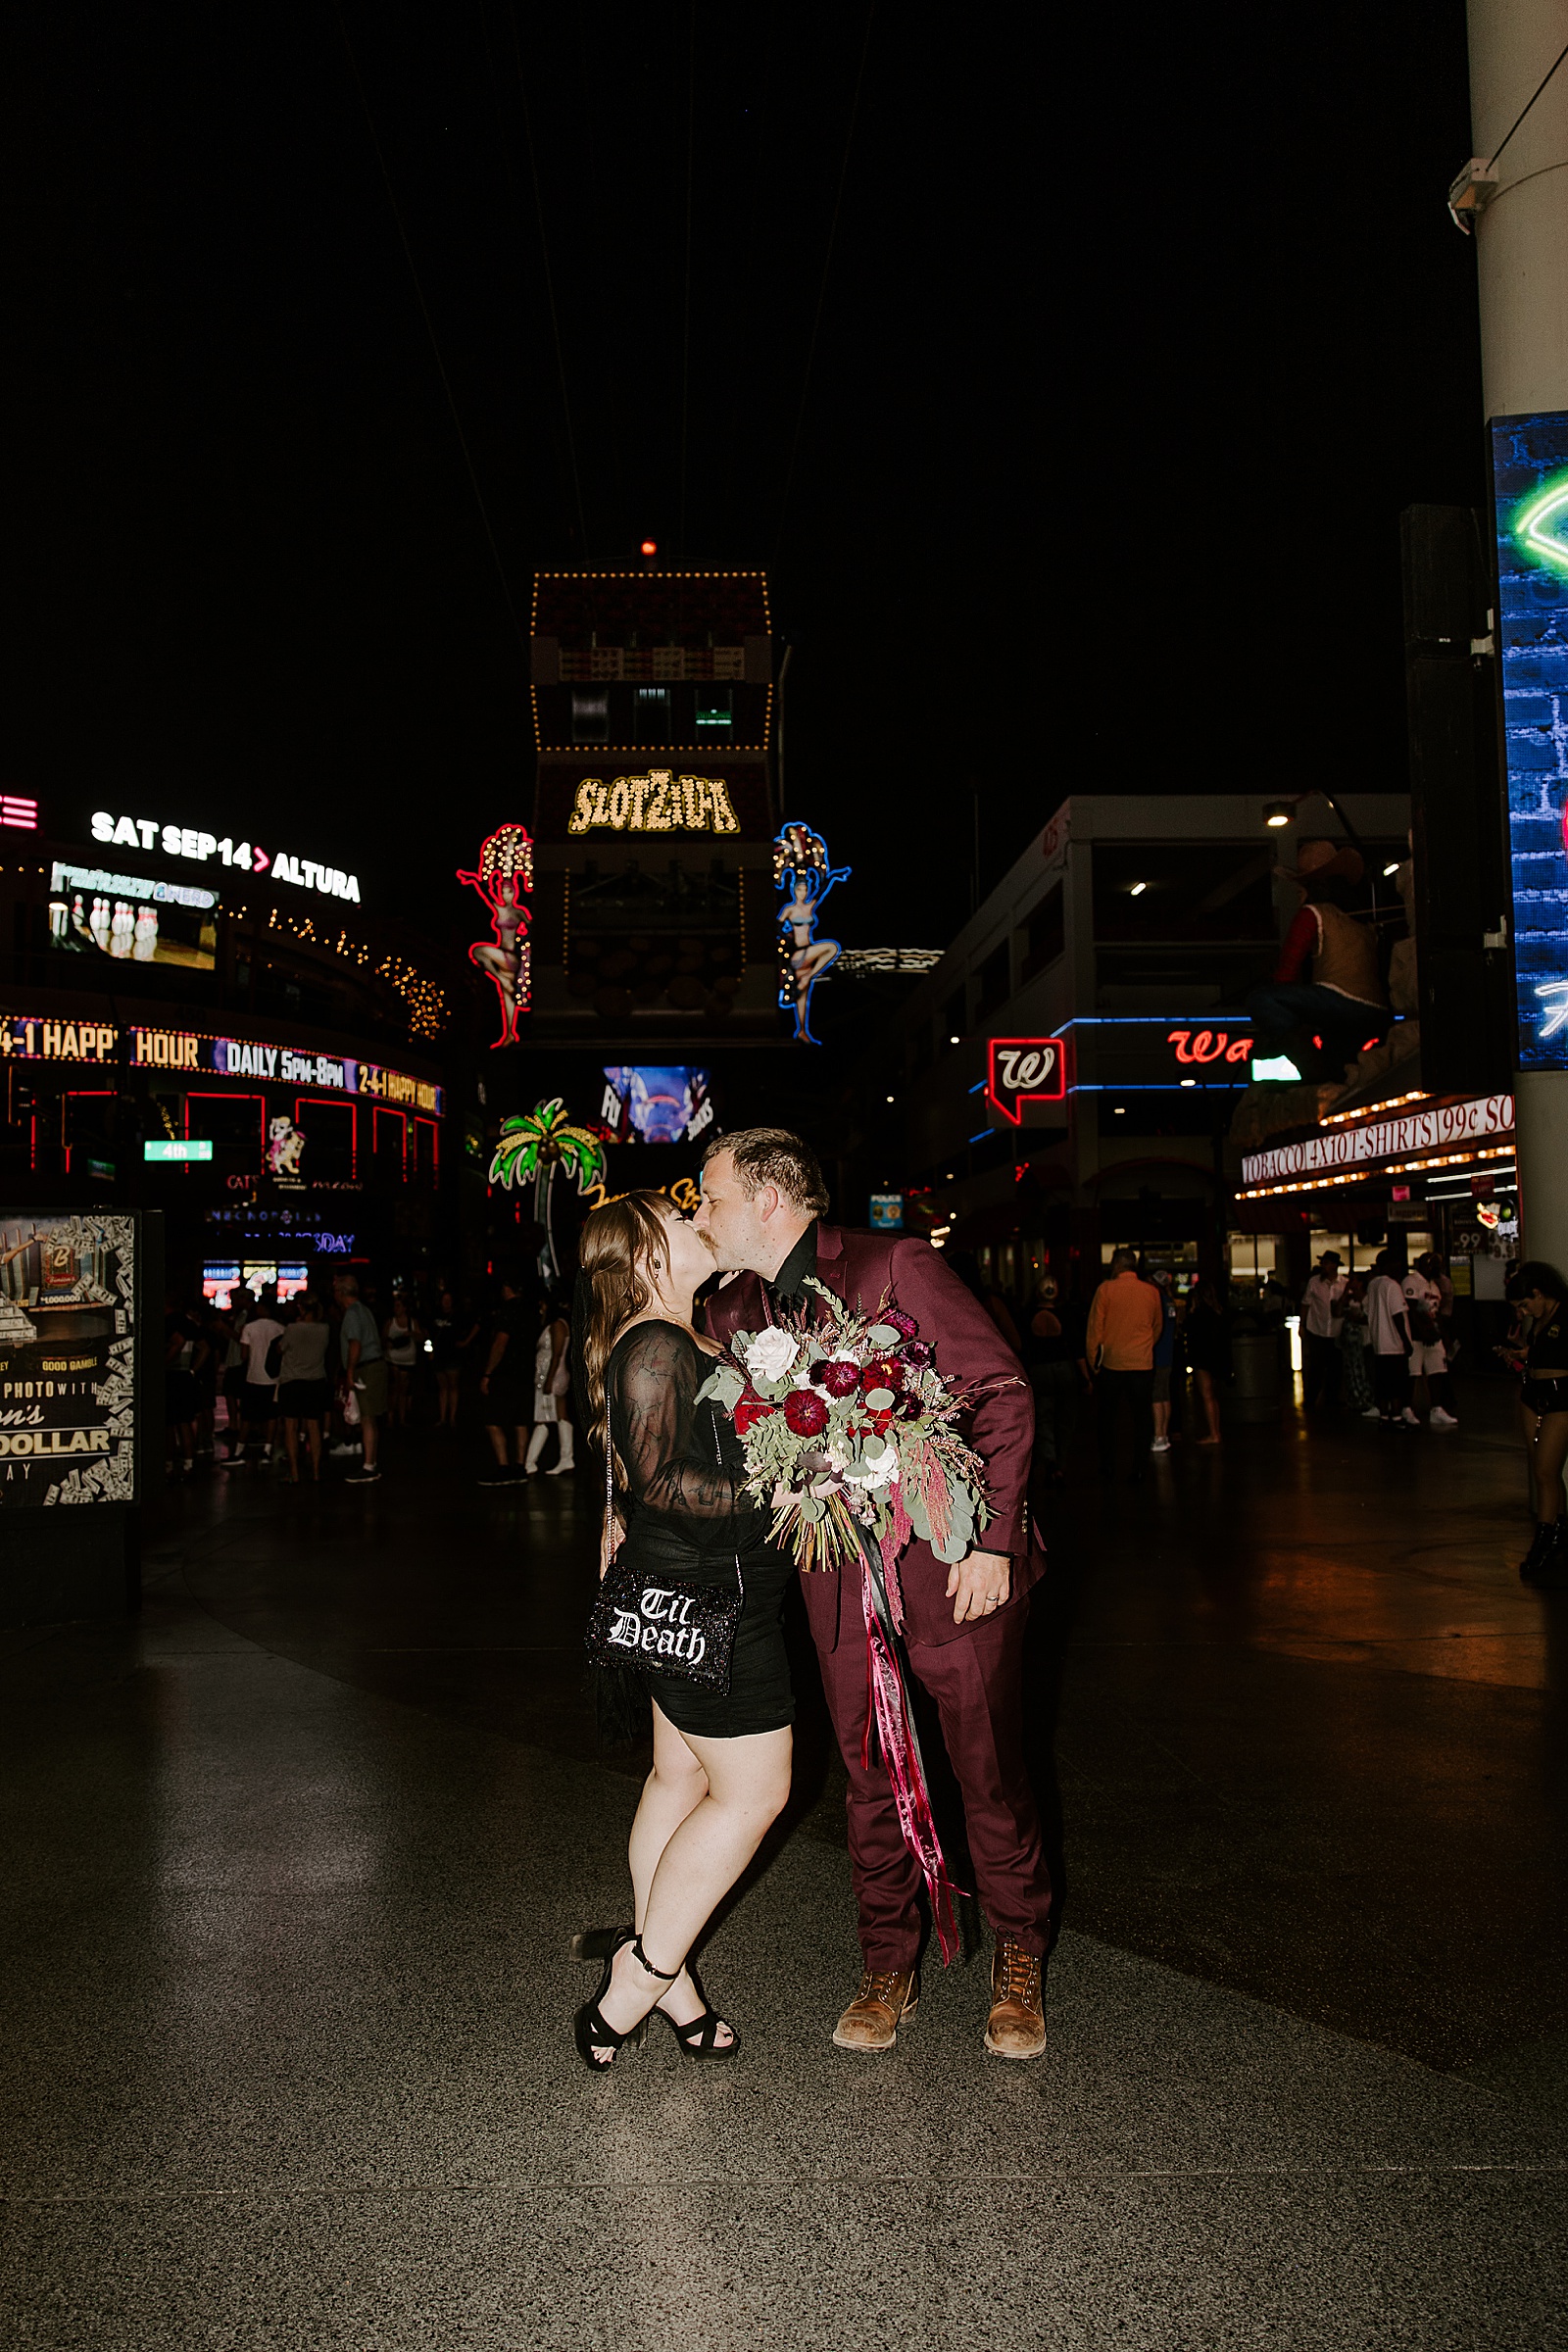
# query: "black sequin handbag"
(664, 1624)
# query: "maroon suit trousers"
(977, 1684)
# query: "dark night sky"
(1139, 332)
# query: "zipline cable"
(429, 329)
(821, 297)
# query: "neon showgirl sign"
(505, 873)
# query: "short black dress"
(686, 1514)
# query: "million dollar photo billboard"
(68, 1339)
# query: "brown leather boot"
(872, 2019)
(1016, 2026)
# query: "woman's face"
(688, 1260)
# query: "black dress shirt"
(788, 1285)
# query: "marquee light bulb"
(649, 547)
(1392, 868)
(954, 1041)
(1136, 890)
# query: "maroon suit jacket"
(868, 1270)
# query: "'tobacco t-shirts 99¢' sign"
(190, 842)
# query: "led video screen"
(1530, 483)
(96, 912)
(656, 1104)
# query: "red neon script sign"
(1209, 1044)
(1025, 1069)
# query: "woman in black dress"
(1208, 1352)
(721, 1758)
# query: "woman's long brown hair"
(612, 1253)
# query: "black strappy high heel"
(600, 1944)
(590, 2030)
(706, 2028)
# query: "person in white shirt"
(1429, 1359)
(261, 1388)
(1322, 1313)
(1387, 1321)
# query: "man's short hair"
(773, 1156)
(347, 1282)
(1122, 1259)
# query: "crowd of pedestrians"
(1377, 1346)
(291, 1385)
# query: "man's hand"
(978, 1585)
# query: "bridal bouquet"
(850, 1414)
(852, 1432)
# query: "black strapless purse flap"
(661, 1622)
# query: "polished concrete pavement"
(293, 1864)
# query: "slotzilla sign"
(1484, 1120)
(658, 803)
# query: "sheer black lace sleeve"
(670, 1445)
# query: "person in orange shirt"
(1126, 1317)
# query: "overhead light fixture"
(1391, 869)
(1119, 1111)
(1277, 814)
(954, 1041)
(889, 1097)
(1136, 890)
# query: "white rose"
(771, 1353)
(880, 1472)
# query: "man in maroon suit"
(760, 1214)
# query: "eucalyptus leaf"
(874, 1447)
(883, 1335)
(879, 1400)
(952, 1551)
(726, 1385)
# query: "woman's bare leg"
(704, 1852)
(1550, 1450)
(674, 1788)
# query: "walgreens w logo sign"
(1026, 1069)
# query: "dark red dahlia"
(905, 1325)
(805, 1412)
(916, 1353)
(839, 1379)
(882, 1372)
(750, 1407)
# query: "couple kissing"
(688, 1542)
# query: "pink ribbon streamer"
(899, 1745)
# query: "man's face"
(730, 1220)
